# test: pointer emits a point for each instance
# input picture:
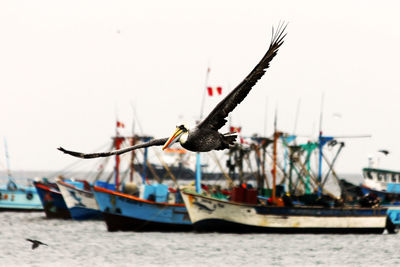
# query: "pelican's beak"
(175, 137)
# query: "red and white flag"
(214, 91)
(235, 129)
(120, 124)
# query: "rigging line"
(136, 119)
(7, 159)
(153, 172)
(321, 112)
(166, 168)
(266, 116)
(151, 148)
(247, 158)
(227, 177)
(110, 176)
(75, 163)
(317, 183)
(332, 170)
(98, 169)
(297, 116)
(204, 93)
(100, 173)
(124, 174)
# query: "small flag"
(120, 124)
(235, 129)
(211, 91)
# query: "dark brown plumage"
(35, 243)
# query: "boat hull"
(214, 215)
(393, 208)
(52, 201)
(123, 212)
(81, 203)
(117, 222)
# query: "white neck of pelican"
(184, 137)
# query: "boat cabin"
(382, 180)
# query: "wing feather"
(217, 118)
(153, 142)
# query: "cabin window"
(369, 175)
(393, 177)
(380, 176)
(385, 178)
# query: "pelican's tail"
(228, 140)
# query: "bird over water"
(204, 136)
(35, 243)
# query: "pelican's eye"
(182, 127)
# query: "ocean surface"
(88, 243)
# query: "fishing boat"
(215, 215)
(51, 199)
(248, 212)
(385, 184)
(15, 197)
(145, 207)
(79, 199)
(149, 212)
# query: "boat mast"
(133, 141)
(145, 157)
(117, 143)
(132, 163)
(276, 137)
(7, 161)
(320, 145)
(198, 158)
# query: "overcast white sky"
(68, 68)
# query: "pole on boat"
(7, 159)
(133, 153)
(276, 137)
(198, 157)
(132, 163)
(145, 156)
(204, 92)
(198, 173)
(117, 141)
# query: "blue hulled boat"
(15, 197)
(151, 212)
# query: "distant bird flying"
(205, 136)
(384, 151)
(35, 243)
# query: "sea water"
(88, 243)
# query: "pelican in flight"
(205, 136)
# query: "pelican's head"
(179, 131)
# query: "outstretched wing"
(217, 118)
(153, 142)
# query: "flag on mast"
(214, 91)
